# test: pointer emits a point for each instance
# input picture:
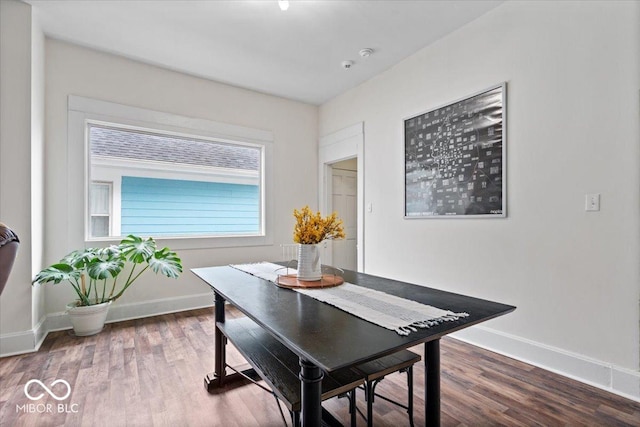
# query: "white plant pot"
(88, 320)
(309, 267)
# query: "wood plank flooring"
(149, 372)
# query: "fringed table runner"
(389, 311)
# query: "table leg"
(311, 385)
(216, 378)
(432, 383)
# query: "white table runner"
(389, 311)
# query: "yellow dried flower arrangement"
(311, 228)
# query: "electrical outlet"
(592, 202)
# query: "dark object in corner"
(9, 243)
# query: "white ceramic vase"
(309, 267)
(88, 320)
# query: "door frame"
(344, 144)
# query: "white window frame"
(82, 111)
(109, 214)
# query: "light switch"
(592, 202)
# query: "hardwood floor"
(149, 372)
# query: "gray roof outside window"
(132, 145)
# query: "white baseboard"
(120, 312)
(17, 343)
(606, 376)
(29, 341)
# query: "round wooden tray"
(291, 281)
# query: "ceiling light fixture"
(284, 4)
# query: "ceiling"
(296, 54)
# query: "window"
(100, 209)
(168, 185)
(198, 182)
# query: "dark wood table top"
(329, 337)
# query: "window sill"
(194, 242)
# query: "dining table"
(327, 338)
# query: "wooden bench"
(375, 370)
(279, 367)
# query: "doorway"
(341, 158)
(344, 201)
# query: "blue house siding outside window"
(170, 207)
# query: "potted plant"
(94, 275)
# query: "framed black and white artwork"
(455, 158)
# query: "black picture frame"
(455, 158)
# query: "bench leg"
(369, 395)
(352, 407)
(410, 397)
(369, 398)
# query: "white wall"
(15, 163)
(37, 171)
(573, 94)
(73, 70)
